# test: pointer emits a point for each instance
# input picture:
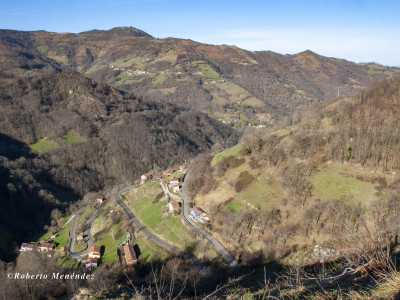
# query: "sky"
(356, 30)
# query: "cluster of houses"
(42, 247)
(256, 126)
(165, 174)
(129, 72)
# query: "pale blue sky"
(357, 30)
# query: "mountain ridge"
(233, 84)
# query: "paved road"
(151, 236)
(72, 237)
(86, 234)
(229, 259)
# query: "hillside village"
(89, 255)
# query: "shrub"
(244, 179)
(246, 150)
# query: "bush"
(246, 150)
(244, 179)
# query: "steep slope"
(323, 180)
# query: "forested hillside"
(70, 133)
(231, 84)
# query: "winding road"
(77, 255)
(86, 234)
(217, 245)
(151, 236)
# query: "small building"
(176, 188)
(63, 251)
(128, 237)
(174, 206)
(28, 247)
(94, 251)
(130, 255)
(90, 263)
(167, 173)
(198, 213)
(53, 236)
(100, 200)
(146, 177)
(79, 237)
(173, 181)
(46, 247)
(182, 167)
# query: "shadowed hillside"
(69, 131)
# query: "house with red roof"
(130, 255)
(174, 206)
(94, 251)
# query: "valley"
(170, 167)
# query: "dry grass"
(389, 286)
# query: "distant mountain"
(231, 84)
(122, 31)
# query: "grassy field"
(125, 62)
(150, 190)
(170, 56)
(263, 193)
(110, 247)
(159, 79)
(339, 182)
(231, 151)
(149, 250)
(207, 71)
(253, 101)
(71, 138)
(43, 146)
(43, 49)
(62, 237)
(237, 93)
